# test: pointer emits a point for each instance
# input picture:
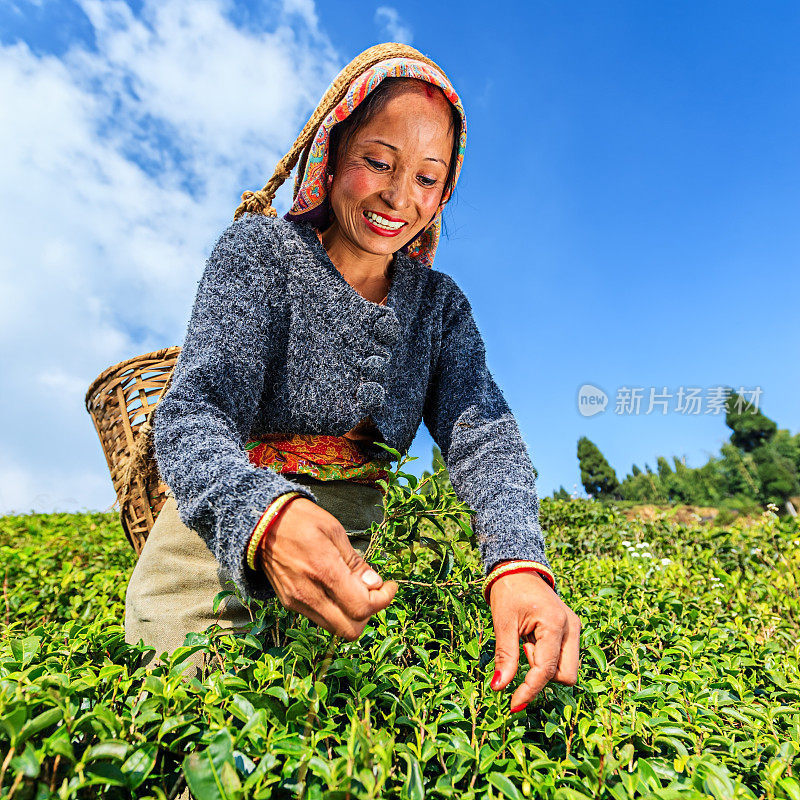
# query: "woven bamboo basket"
(119, 401)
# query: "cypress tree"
(750, 430)
(597, 475)
(777, 473)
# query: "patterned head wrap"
(310, 189)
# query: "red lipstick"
(382, 231)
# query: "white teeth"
(382, 222)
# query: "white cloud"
(62, 384)
(43, 488)
(394, 28)
(122, 163)
(304, 8)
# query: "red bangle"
(514, 566)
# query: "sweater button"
(387, 329)
(373, 368)
(370, 396)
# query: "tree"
(750, 429)
(788, 446)
(680, 484)
(561, 494)
(640, 488)
(739, 473)
(597, 475)
(777, 473)
(796, 440)
(760, 464)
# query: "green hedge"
(688, 686)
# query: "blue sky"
(626, 216)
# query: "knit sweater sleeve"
(486, 456)
(203, 421)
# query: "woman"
(311, 338)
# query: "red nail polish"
(495, 679)
(518, 708)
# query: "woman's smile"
(382, 224)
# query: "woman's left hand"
(524, 606)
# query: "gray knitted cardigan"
(278, 341)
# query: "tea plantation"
(688, 688)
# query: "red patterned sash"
(324, 457)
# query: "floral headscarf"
(311, 190)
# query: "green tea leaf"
(501, 782)
(139, 765)
(210, 773)
(599, 656)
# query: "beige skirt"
(172, 588)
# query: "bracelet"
(264, 524)
(517, 565)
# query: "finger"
(353, 559)
(310, 599)
(378, 599)
(346, 588)
(307, 597)
(570, 652)
(331, 618)
(567, 672)
(506, 649)
(543, 659)
(327, 614)
(528, 646)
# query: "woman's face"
(389, 183)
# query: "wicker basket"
(119, 401)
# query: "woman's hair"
(374, 103)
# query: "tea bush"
(688, 686)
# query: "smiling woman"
(315, 336)
(387, 178)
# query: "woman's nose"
(396, 193)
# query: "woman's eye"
(427, 181)
(377, 164)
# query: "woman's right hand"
(314, 570)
